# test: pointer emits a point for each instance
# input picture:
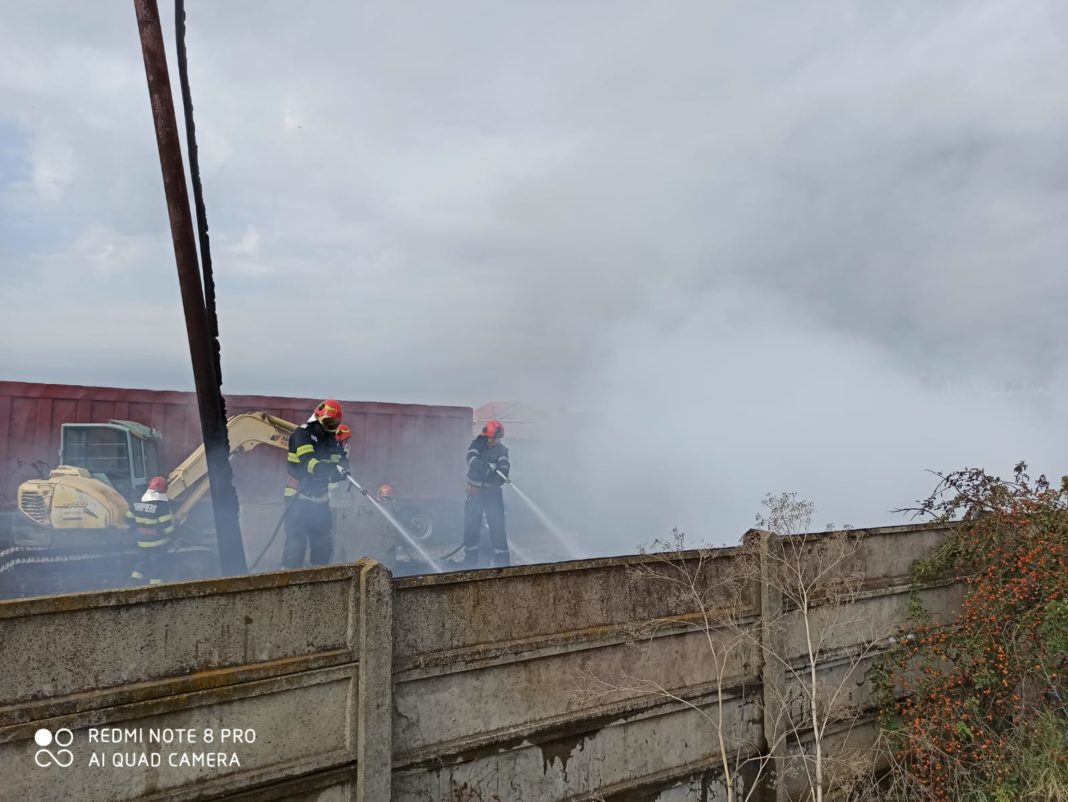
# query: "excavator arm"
(188, 482)
(71, 499)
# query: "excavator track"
(44, 570)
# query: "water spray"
(393, 522)
(546, 521)
(396, 525)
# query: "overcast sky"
(754, 245)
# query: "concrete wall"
(284, 657)
(584, 680)
(599, 678)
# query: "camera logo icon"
(45, 757)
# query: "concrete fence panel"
(614, 679)
(198, 690)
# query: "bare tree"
(817, 578)
(753, 606)
(708, 595)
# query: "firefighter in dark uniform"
(314, 462)
(153, 522)
(487, 472)
(343, 435)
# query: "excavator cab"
(106, 466)
(120, 453)
(103, 467)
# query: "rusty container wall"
(419, 448)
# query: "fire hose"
(274, 534)
(346, 475)
(507, 481)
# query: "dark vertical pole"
(207, 271)
(209, 399)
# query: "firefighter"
(153, 521)
(342, 436)
(315, 462)
(380, 540)
(487, 471)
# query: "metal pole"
(209, 399)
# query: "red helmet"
(343, 433)
(494, 429)
(328, 414)
(158, 483)
(385, 492)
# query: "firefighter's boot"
(470, 560)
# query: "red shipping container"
(417, 448)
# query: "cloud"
(107, 251)
(249, 244)
(53, 168)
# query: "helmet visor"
(330, 424)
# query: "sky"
(740, 248)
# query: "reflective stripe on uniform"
(311, 464)
(472, 454)
(313, 499)
(305, 449)
(155, 581)
(293, 458)
(151, 544)
(335, 458)
(137, 575)
(289, 492)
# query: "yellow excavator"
(105, 466)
